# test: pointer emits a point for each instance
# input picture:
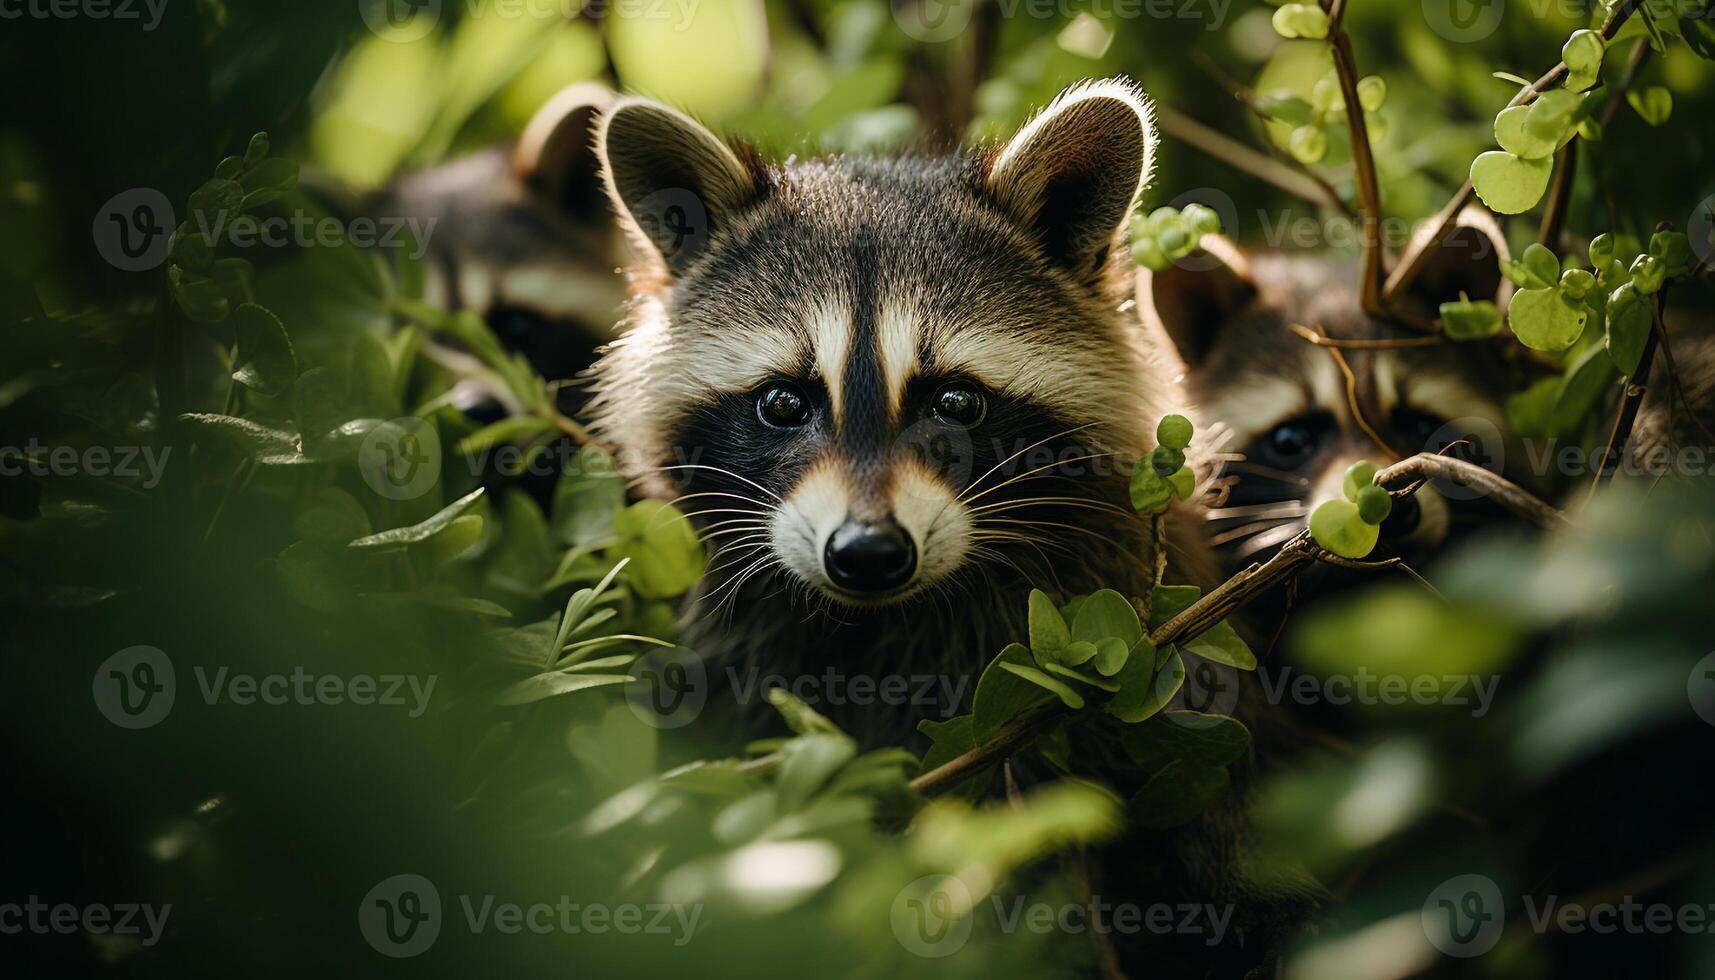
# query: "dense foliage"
(254, 462)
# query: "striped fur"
(870, 283)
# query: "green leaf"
(800, 717)
(1359, 475)
(331, 517)
(810, 760)
(1183, 483)
(1654, 104)
(1374, 504)
(1508, 183)
(947, 741)
(1470, 320)
(1168, 601)
(1289, 109)
(1189, 736)
(1143, 690)
(401, 536)
(1550, 116)
(453, 540)
(1308, 144)
(1000, 695)
(666, 555)
(1081, 677)
(265, 362)
(1629, 322)
(1545, 320)
(1048, 631)
(1543, 264)
(1111, 655)
(1150, 494)
(1070, 698)
(1107, 614)
(257, 440)
(1222, 644)
(1337, 527)
(1177, 794)
(1511, 134)
(202, 298)
(590, 492)
(555, 683)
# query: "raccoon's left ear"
(1072, 174)
(556, 155)
(674, 183)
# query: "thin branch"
(1386, 343)
(1636, 387)
(1364, 164)
(1412, 262)
(1400, 477)
(1241, 157)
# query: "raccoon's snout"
(870, 556)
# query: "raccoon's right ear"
(1072, 175)
(672, 181)
(1194, 298)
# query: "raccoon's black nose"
(1403, 519)
(870, 556)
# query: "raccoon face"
(877, 376)
(1289, 419)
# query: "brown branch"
(1636, 387)
(1031, 724)
(1386, 343)
(1363, 163)
(1412, 262)
(1241, 157)
(1400, 477)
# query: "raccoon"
(521, 235)
(1293, 415)
(850, 369)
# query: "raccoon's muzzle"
(870, 557)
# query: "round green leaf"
(1654, 104)
(1468, 320)
(1337, 527)
(1174, 431)
(1372, 92)
(1515, 139)
(1374, 504)
(1308, 144)
(1508, 183)
(1545, 320)
(1358, 476)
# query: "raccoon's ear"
(556, 155)
(672, 181)
(1072, 174)
(1192, 300)
(1467, 260)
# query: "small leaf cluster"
(1350, 527)
(1312, 120)
(1167, 235)
(1164, 476)
(1554, 306)
(208, 288)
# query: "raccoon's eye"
(1291, 443)
(1420, 431)
(961, 403)
(782, 405)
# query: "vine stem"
(1411, 263)
(1637, 386)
